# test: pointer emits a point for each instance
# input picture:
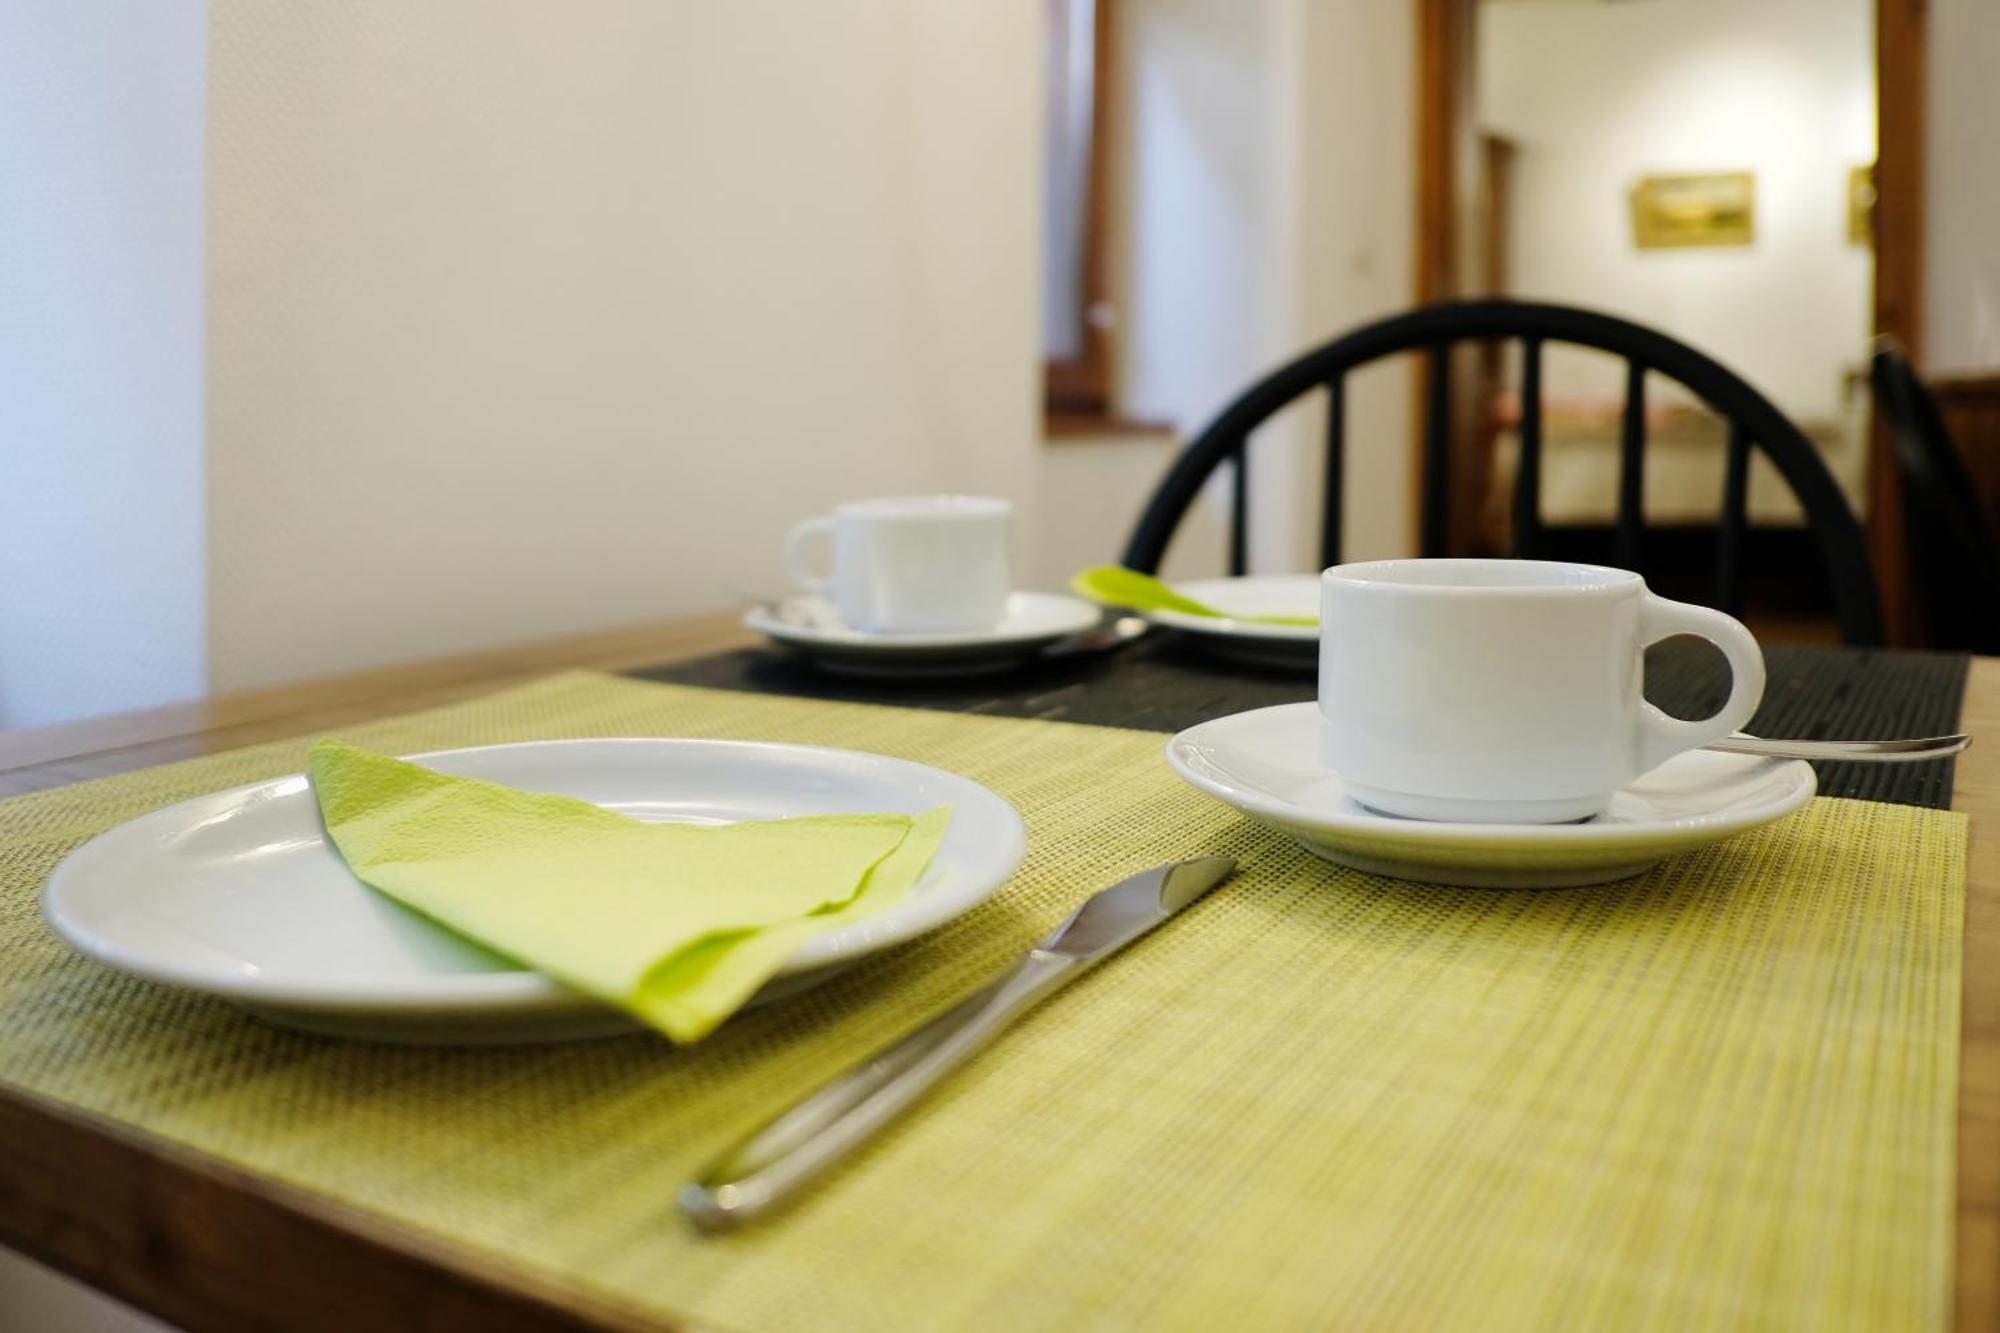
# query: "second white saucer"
(1265, 763)
(809, 625)
(1258, 642)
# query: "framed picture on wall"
(1714, 208)
(1861, 204)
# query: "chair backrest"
(1753, 422)
(1956, 563)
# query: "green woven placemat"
(1718, 1094)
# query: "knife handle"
(771, 1164)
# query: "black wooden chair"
(1952, 551)
(1753, 422)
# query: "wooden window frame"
(1080, 386)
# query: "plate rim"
(526, 990)
(1227, 626)
(1428, 833)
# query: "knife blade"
(770, 1164)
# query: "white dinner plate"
(1252, 641)
(808, 624)
(240, 895)
(1265, 763)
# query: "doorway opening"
(1745, 178)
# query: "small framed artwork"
(1714, 208)
(1861, 205)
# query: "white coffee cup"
(1505, 691)
(922, 563)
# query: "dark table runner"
(1164, 683)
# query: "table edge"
(204, 1244)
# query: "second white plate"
(239, 895)
(1262, 644)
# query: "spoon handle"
(1915, 750)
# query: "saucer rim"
(1417, 832)
(1081, 615)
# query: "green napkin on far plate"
(678, 924)
(1115, 585)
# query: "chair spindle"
(1528, 478)
(1437, 452)
(1632, 467)
(1729, 538)
(1336, 436)
(1239, 514)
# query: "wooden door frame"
(1443, 93)
(1902, 69)
(1902, 95)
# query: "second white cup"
(912, 564)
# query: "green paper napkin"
(1115, 585)
(678, 924)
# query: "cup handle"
(1662, 737)
(795, 552)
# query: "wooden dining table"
(209, 1246)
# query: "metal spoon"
(1910, 751)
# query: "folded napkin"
(677, 923)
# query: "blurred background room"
(340, 336)
(346, 335)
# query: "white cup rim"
(1440, 577)
(925, 507)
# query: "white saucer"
(1252, 641)
(1265, 763)
(239, 895)
(808, 624)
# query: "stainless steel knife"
(771, 1164)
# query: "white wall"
(1962, 253)
(100, 357)
(1600, 95)
(1207, 105)
(1252, 124)
(1088, 496)
(1354, 237)
(101, 513)
(524, 319)
(1209, 174)
(528, 318)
